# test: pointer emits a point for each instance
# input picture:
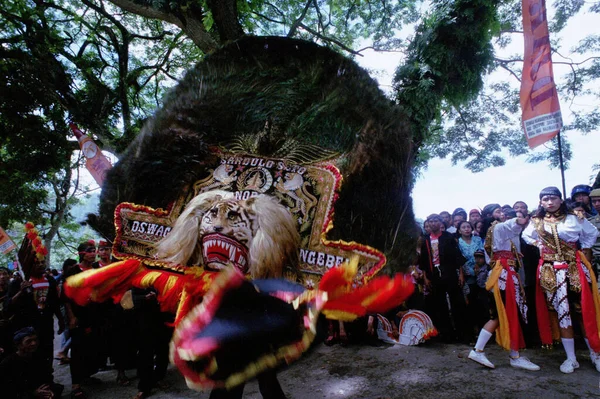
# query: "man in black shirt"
(441, 261)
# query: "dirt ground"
(432, 370)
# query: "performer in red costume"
(566, 282)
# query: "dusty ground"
(427, 371)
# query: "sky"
(446, 187)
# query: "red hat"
(474, 211)
(103, 243)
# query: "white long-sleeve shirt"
(505, 233)
(570, 229)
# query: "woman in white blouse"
(565, 281)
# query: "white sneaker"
(480, 358)
(595, 360)
(523, 363)
(569, 366)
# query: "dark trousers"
(450, 328)
(267, 384)
(478, 307)
(153, 356)
(45, 331)
(84, 354)
(530, 330)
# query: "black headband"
(551, 191)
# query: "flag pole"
(562, 166)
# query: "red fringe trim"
(542, 313)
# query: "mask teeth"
(232, 253)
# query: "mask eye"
(233, 215)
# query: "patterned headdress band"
(551, 191)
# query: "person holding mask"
(565, 280)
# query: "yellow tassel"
(350, 268)
(502, 332)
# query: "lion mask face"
(258, 235)
(227, 230)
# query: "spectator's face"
(551, 203)
(478, 226)
(445, 218)
(39, 268)
(90, 254)
(104, 253)
(435, 225)
(480, 260)
(582, 197)
(475, 217)
(457, 219)
(28, 345)
(465, 229)
(498, 214)
(426, 227)
(596, 203)
(521, 207)
(578, 209)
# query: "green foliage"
(479, 125)
(338, 23)
(565, 9)
(87, 62)
(446, 59)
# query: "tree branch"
(298, 22)
(329, 39)
(190, 21)
(267, 18)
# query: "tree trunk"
(61, 189)
(225, 15)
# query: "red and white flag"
(95, 161)
(542, 119)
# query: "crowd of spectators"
(97, 337)
(453, 266)
(450, 273)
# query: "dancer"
(502, 245)
(564, 277)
